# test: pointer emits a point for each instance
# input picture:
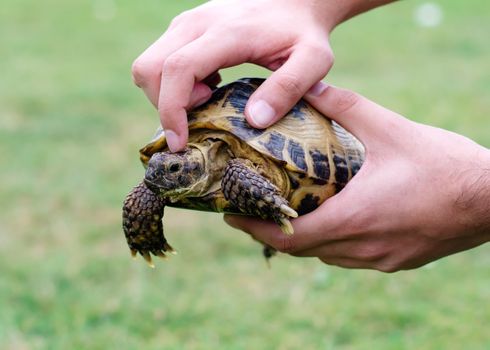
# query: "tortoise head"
(176, 175)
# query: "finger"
(350, 249)
(188, 65)
(347, 263)
(266, 232)
(284, 88)
(367, 120)
(309, 232)
(147, 68)
(201, 92)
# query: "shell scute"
(321, 166)
(275, 144)
(297, 155)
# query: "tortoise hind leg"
(255, 195)
(142, 223)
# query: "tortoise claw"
(160, 254)
(286, 226)
(287, 210)
(146, 255)
(168, 248)
(134, 252)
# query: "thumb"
(284, 88)
(367, 120)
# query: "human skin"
(423, 193)
(289, 37)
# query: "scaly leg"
(255, 195)
(142, 223)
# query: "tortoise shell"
(319, 156)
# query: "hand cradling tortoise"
(277, 173)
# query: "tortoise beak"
(156, 182)
(155, 176)
(152, 186)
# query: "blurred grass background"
(70, 125)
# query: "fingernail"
(317, 89)
(262, 113)
(172, 140)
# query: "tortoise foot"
(268, 253)
(142, 224)
(255, 195)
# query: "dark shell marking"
(309, 203)
(239, 98)
(275, 144)
(242, 128)
(355, 167)
(341, 170)
(298, 110)
(294, 183)
(320, 164)
(297, 154)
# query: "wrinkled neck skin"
(216, 157)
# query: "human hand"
(290, 37)
(422, 193)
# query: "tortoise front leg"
(142, 223)
(255, 195)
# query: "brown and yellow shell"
(319, 156)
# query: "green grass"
(70, 125)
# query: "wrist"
(335, 12)
(475, 197)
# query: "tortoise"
(276, 173)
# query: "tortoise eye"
(174, 167)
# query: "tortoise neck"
(216, 156)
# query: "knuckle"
(179, 19)
(388, 267)
(323, 53)
(285, 244)
(142, 70)
(176, 63)
(369, 252)
(290, 85)
(326, 63)
(345, 100)
(166, 110)
(329, 59)
(329, 55)
(238, 28)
